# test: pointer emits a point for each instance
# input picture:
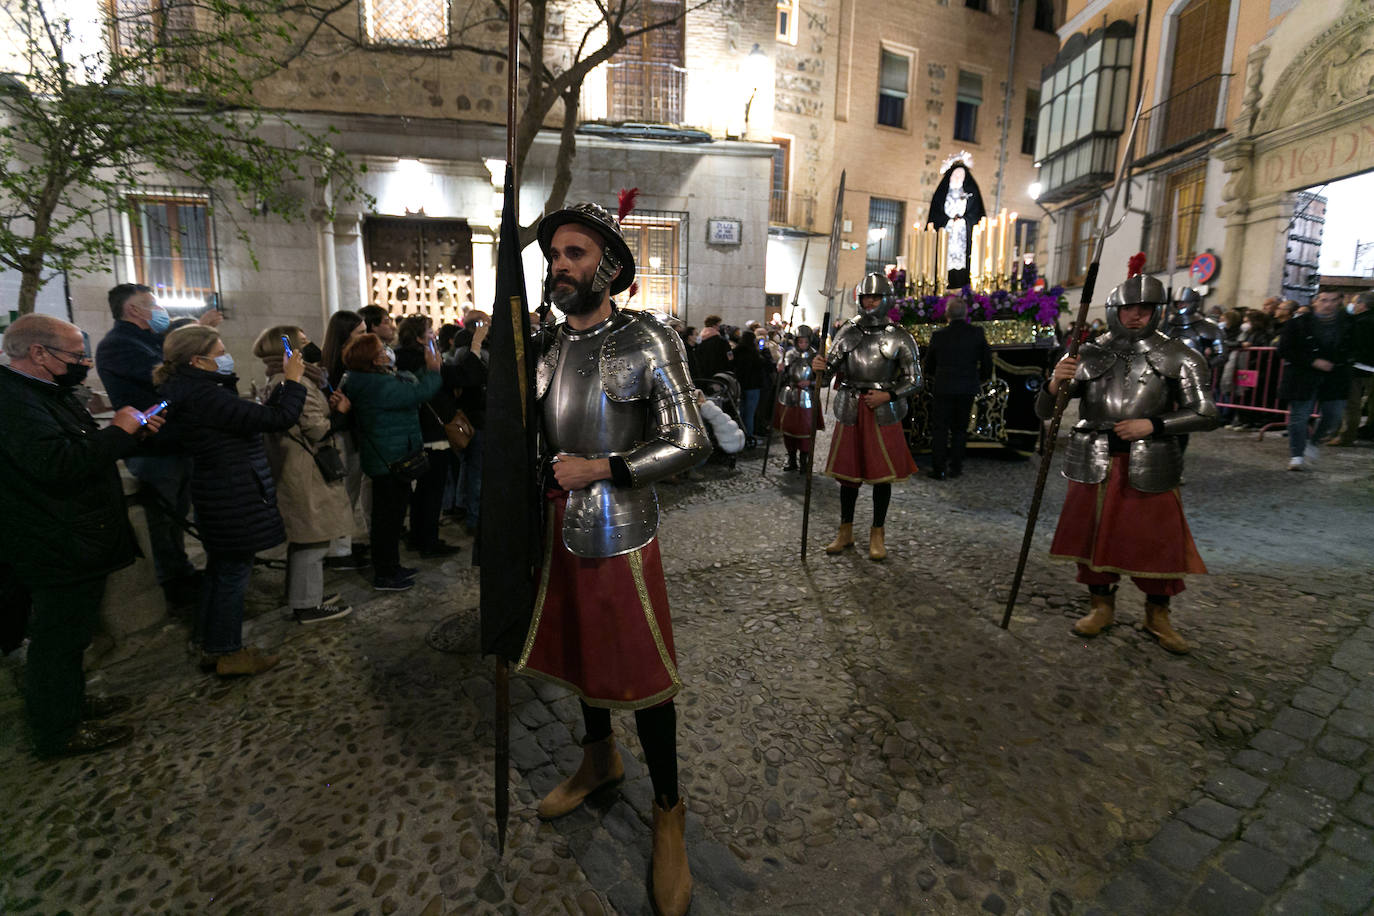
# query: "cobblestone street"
(855, 737)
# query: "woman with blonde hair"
(315, 511)
(232, 488)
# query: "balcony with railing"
(792, 210)
(1191, 116)
(651, 92)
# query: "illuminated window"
(787, 20)
(647, 80)
(406, 23)
(884, 233)
(173, 247)
(658, 240)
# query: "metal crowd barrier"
(1254, 387)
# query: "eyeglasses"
(79, 355)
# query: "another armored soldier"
(1188, 324)
(877, 368)
(1139, 391)
(618, 414)
(796, 412)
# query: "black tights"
(849, 496)
(657, 727)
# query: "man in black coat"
(66, 528)
(1316, 350)
(957, 361)
(125, 360)
(713, 353)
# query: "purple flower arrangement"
(1042, 306)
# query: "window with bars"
(657, 238)
(405, 23)
(1082, 227)
(787, 21)
(1028, 126)
(777, 209)
(136, 25)
(173, 248)
(647, 80)
(894, 79)
(1177, 217)
(966, 106)
(884, 233)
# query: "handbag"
(327, 458)
(411, 467)
(458, 430)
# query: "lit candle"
(975, 261)
(941, 259)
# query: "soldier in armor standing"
(1188, 324)
(876, 368)
(617, 415)
(795, 412)
(1139, 391)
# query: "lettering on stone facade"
(1339, 152)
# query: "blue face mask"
(159, 321)
(224, 364)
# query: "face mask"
(1244, 327)
(75, 375)
(224, 364)
(390, 357)
(159, 321)
(311, 353)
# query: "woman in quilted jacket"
(232, 488)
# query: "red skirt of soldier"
(795, 425)
(1111, 527)
(601, 626)
(869, 453)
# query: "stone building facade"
(1247, 103)
(887, 93)
(428, 122)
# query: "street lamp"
(755, 71)
(1035, 190)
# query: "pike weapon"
(1062, 398)
(831, 292)
(791, 314)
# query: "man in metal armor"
(876, 368)
(1139, 391)
(796, 399)
(1188, 324)
(617, 414)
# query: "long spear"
(1061, 400)
(791, 314)
(831, 292)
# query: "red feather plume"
(1135, 265)
(634, 288)
(626, 201)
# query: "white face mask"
(1245, 327)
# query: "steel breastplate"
(797, 368)
(602, 520)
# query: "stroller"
(721, 389)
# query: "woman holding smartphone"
(315, 511)
(414, 342)
(232, 488)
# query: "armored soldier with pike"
(796, 405)
(1138, 391)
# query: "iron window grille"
(658, 240)
(884, 233)
(405, 23)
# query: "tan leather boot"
(844, 539)
(1157, 623)
(1101, 616)
(877, 550)
(247, 661)
(672, 890)
(601, 766)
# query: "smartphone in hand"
(286, 346)
(153, 411)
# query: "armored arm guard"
(1196, 411)
(645, 360)
(908, 380)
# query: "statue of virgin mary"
(957, 206)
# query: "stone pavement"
(855, 737)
